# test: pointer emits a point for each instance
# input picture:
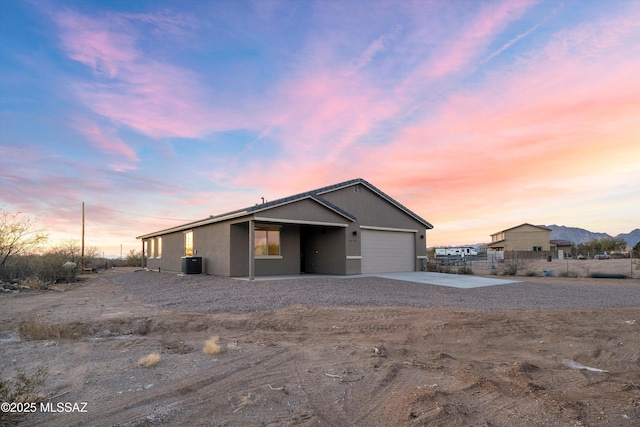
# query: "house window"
(188, 243)
(267, 241)
(159, 248)
(151, 248)
(537, 249)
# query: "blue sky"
(479, 116)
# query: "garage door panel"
(387, 251)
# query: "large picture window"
(267, 241)
(188, 243)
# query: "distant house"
(528, 238)
(561, 245)
(348, 228)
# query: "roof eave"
(194, 224)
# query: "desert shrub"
(134, 259)
(585, 267)
(22, 388)
(56, 267)
(444, 269)
(509, 270)
(35, 329)
(532, 273)
(149, 360)
(465, 270)
(511, 266)
(212, 346)
(432, 267)
(45, 268)
(567, 274)
(60, 263)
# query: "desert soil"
(549, 351)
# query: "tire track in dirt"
(248, 374)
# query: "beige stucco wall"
(172, 251)
(524, 238)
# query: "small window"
(537, 249)
(159, 248)
(188, 243)
(267, 241)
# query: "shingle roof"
(543, 227)
(314, 195)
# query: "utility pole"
(82, 256)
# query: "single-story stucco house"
(347, 228)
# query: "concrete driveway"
(443, 279)
(439, 279)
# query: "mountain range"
(580, 235)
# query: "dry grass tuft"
(149, 360)
(212, 346)
(34, 329)
(244, 401)
(233, 346)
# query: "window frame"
(152, 248)
(268, 229)
(186, 240)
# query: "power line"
(37, 210)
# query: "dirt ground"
(307, 365)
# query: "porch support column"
(252, 254)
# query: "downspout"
(252, 254)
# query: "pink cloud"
(109, 144)
(156, 99)
(458, 51)
(530, 136)
(96, 43)
(330, 103)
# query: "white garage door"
(387, 251)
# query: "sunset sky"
(476, 115)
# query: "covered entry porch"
(268, 246)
